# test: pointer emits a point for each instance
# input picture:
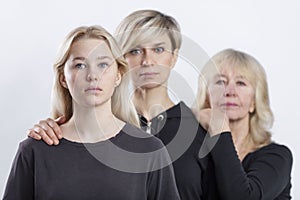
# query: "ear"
(174, 57)
(118, 79)
(207, 101)
(62, 80)
(252, 107)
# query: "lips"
(148, 74)
(229, 104)
(93, 89)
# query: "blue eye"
(159, 49)
(80, 66)
(103, 65)
(135, 52)
(220, 82)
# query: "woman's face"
(232, 93)
(91, 72)
(150, 63)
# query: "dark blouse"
(179, 130)
(88, 171)
(264, 174)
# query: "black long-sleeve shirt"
(122, 167)
(182, 135)
(264, 174)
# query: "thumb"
(60, 120)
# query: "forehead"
(89, 47)
(148, 40)
(237, 70)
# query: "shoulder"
(181, 118)
(32, 145)
(275, 152)
(29, 143)
(180, 110)
(276, 148)
(27, 147)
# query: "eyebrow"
(158, 44)
(98, 58)
(224, 76)
(153, 45)
(104, 57)
(78, 58)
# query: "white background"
(32, 30)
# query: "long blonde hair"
(122, 106)
(261, 120)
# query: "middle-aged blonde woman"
(233, 105)
(102, 154)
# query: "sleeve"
(20, 181)
(266, 177)
(161, 183)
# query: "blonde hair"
(261, 120)
(122, 106)
(143, 25)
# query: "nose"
(92, 75)
(147, 59)
(230, 90)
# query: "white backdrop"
(32, 30)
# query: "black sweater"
(179, 130)
(89, 171)
(264, 174)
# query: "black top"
(264, 174)
(179, 130)
(118, 168)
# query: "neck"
(240, 135)
(92, 124)
(151, 102)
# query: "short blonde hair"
(143, 25)
(122, 106)
(261, 120)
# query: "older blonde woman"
(233, 105)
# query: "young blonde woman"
(150, 41)
(96, 158)
(233, 105)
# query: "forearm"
(232, 180)
(263, 175)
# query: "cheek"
(215, 94)
(109, 77)
(133, 62)
(73, 79)
(248, 96)
(133, 66)
(166, 61)
(250, 103)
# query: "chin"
(149, 85)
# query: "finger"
(55, 128)
(31, 133)
(40, 131)
(60, 120)
(49, 131)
